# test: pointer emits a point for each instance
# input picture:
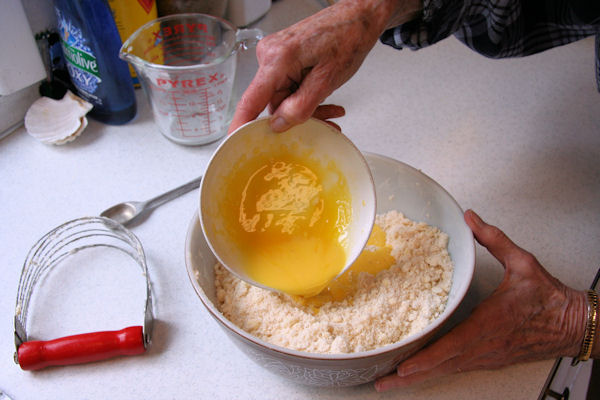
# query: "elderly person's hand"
(530, 316)
(301, 65)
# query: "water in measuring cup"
(194, 108)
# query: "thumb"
(253, 101)
(491, 237)
(300, 105)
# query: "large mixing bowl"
(399, 187)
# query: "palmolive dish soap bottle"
(91, 44)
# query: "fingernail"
(279, 124)
(476, 218)
(405, 370)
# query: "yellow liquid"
(289, 218)
(375, 257)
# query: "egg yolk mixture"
(375, 257)
(289, 217)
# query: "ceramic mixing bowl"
(398, 187)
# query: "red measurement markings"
(207, 112)
(195, 106)
(177, 107)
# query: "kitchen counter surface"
(517, 140)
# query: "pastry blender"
(64, 241)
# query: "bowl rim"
(331, 357)
(360, 157)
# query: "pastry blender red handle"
(83, 348)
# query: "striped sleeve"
(501, 28)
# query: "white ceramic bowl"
(314, 140)
(399, 187)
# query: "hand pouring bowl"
(398, 187)
(313, 140)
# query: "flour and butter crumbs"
(397, 286)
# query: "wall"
(13, 107)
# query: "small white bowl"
(399, 187)
(313, 139)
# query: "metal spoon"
(127, 212)
(4, 396)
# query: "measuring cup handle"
(247, 38)
(79, 349)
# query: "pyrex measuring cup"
(187, 65)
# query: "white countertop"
(517, 140)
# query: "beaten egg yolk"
(375, 257)
(289, 216)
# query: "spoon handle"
(171, 194)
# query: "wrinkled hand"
(301, 65)
(530, 316)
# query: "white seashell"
(57, 121)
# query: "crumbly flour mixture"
(383, 309)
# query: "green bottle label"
(82, 60)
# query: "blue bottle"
(91, 44)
